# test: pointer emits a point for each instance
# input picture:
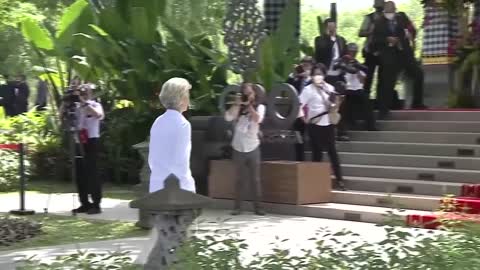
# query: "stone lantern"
(173, 210)
(142, 188)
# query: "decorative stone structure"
(174, 210)
(273, 10)
(142, 188)
(441, 34)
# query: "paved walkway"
(258, 231)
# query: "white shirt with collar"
(246, 132)
(317, 101)
(335, 56)
(353, 82)
(169, 151)
(90, 122)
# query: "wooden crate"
(282, 181)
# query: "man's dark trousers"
(87, 175)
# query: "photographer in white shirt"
(247, 114)
(319, 97)
(89, 114)
(171, 138)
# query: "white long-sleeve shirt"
(169, 151)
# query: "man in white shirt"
(246, 144)
(357, 99)
(171, 138)
(320, 97)
(89, 115)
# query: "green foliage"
(9, 168)
(401, 249)
(84, 260)
(38, 131)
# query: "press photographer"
(247, 114)
(82, 114)
(357, 99)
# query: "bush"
(401, 250)
(9, 170)
(40, 133)
(13, 230)
(83, 260)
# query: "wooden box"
(282, 181)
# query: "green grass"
(123, 192)
(58, 230)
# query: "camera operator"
(357, 99)
(87, 113)
(299, 79)
(322, 99)
(247, 114)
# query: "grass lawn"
(57, 230)
(123, 192)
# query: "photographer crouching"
(83, 115)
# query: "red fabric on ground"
(467, 205)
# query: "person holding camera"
(357, 99)
(88, 113)
(247, 114)
(299, 79)
(322, 101)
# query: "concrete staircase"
(415, 159)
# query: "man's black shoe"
(94, 211)
(343, 138)
(81, 209)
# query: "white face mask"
(390, 16)
(317, 79)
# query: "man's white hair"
(174, 92)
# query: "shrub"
(13, 230)
(9, 170)
(83, 260)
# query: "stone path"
(258, 231)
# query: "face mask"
(390, 16)
(317, 79)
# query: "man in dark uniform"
(371, 57)
(22, 92)
(8, 94)
(392, 38)
(328, 48)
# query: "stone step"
(430, 126)
(416, 137)
(435, 115)
(360, 213)
(404, 186)
(416, 161)
(427, 149)
(426, 174)
(403, 201)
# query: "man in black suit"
(328, 48)
(393, 39)
(8, 96)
